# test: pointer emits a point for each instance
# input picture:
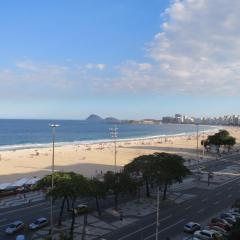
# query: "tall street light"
(114, 135)
(197, 124)
(203, 150)
(157, 222)
(53, 126)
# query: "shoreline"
(90, 159)
(101, 141)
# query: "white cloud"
(196, 52)
(28, 79)
(99, 66)
(199, 44)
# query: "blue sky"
(128, 59)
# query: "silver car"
(39, 223)
(191, 227)
(205, 234)
(14, 227)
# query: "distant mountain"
(111, 120)
(94, 118)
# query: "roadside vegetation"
(220, 140)
(159, 169)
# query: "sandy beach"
(90, 159)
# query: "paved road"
(30, 212)
(206, 204)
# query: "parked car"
(39, 223)
(221, 225)
(80, 209)
(191, 227)
(227, 215)
(206, 234)
(218, 235)
(236, 215)
(234, 210)
(221, 220)
(14, 227)
(218, 229)
(20, 237)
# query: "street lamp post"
(157, 222)
(197, 146)
(114, 135)
(53, 126)
(203, 150)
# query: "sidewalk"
(111, 219)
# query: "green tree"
(206, 144)
(119, 183)
(168, 169)
(78, 188)
(98, 190)
(62, 190)
(221, 138)
(229, 142)
(141, 167)
(67, 186)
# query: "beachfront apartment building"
(183, 119)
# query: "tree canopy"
(221, 138)
(161, 168)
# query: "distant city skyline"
(127, 59)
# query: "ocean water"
(16, 134)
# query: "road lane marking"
(143, 228)
(201, 210)
(166, 228)
(204, 200)
(188, 207)
(215, 203)
(163, 219)
(232, 180)
(21, 209)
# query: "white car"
(205, 234)
(234, 210)
(14, 227)
(220, 232)
(235, 214)
(39, 223)
(191, 227)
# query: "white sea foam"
(99, 141)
